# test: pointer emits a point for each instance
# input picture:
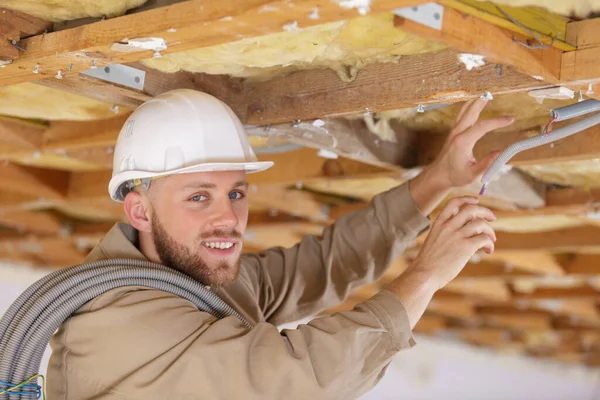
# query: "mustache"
(220, 233)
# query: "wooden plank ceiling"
(537, 295)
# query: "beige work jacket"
(142, 343)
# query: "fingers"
(480, 242)
(470, 116)
(470, 213)
(485, 163)
(479, 129)
(478, 227)
(454, 206)
(462, 111)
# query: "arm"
(153, 345)
(166, 348)
(297, 282)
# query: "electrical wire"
(39, 390)
(545, 132)
(541, 44)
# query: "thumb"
(485, 163)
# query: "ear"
(138, 211)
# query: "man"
(180, 168)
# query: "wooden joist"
(558, 240)
(182, 26)
(16, 135)
(222, 87)
(38, 182)
(31, 221)
(432, 78)
(472, 35)
(13, 26)
(542, 22)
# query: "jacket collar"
(121, 241)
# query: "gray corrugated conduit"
(559, 114)
(32, 319)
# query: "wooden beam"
(543, 23)
(579, 67)
(536, 262)
(579, 293)
(56, 252)
(460, 308)
(563, 239)
(101, 90)
(31, 221)
(583, 264)
(69, 135)
(156, 82)
(518, 320)
(470, 34)
(183, 26)
(491, 270)
(583, 34)
(430, 324)
(437, 77)
(13, 26)
(490, 288)
(33, 181)
(290, 201)
(19, 136)
(273, 235)
(294, 167)
(498, 338)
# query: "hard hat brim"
(117, 180)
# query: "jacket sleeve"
(153, 345)
(318, 273)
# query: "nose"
(224, 216)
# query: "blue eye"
(236, 195)
(198, 197)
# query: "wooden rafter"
(183, 26)
(13, 26)
(421, 79)
(473, 35)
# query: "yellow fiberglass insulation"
(570, 173)
(64, 10)
(342, 46)
(28, 100)
(579, 8)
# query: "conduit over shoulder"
(30, 322)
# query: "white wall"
(433, 370)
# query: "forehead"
(209, 179)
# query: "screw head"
(137, 79)
(107, 69)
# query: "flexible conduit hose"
(575, 110)
(536, 141)
(32, 319)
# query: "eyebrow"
(206, 185)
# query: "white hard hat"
(180, 131)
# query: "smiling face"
(194, 223)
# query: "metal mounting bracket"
(120, 74)
(428, 14)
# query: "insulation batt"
(28, 100)
(64, 10)
(578, 8)
(344, 46)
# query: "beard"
(179, 257)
